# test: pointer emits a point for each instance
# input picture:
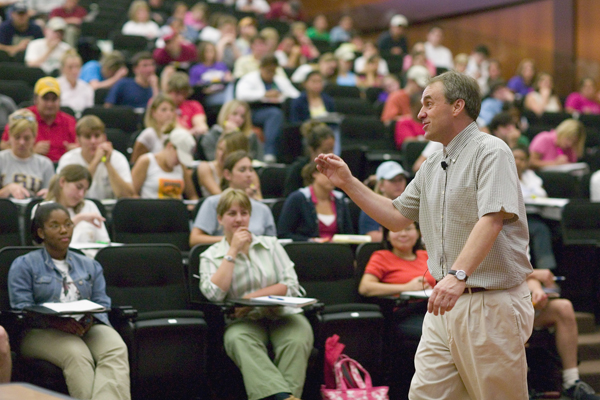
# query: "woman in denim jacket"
(90, 352)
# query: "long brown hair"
(71, 173)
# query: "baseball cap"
(399, 20)
(57, 24)
(20, 8)
(45, 85)
(247, 21)
(345, 53)
(419, 74)
(184, 143)
(389, 170)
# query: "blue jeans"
(270, 119)
(541, 243)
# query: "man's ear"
(458, 106)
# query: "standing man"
(469, 205)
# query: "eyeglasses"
(56, 226)
(25, 117)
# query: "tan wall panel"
(587, 37)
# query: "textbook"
(284, 301)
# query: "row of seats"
(175, 338)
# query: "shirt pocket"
(461, 205)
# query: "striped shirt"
(267, 264)
(481, 178)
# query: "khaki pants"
(477, 350)
(292, 340)
(95, 366)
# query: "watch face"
(461, 275)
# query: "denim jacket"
(33, 279)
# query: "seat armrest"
(121, 313)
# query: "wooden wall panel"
(587, 34)
(511, 34)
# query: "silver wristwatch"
(459, 274)
(229, 258)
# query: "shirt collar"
(460, 141)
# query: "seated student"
(234, 116)
(409, 128)
(56, 129)
(47, 52)
(397, 103)
(105, 73)
(522, 83)
(74, 92)
(166, 174)
(562, 145)
(158, 120)
(559, 314)
(543, 99)
(137, 91)
(504, 127)
(139, 23)
(23, 173)
(268, 90)
(314, 212)
(289, 52)
(342, 32)
(108, 167)
(500, 96)
(585, 101)
(246, 265)
(327, 66)
(539, 233)
(370, 76)
(190, 113)
(312, 102)
(307, 48)
(401, 267)
(391, 182)
(69, 188)
(195, 20)
(318, 138)
(91, 354)
(369, 51)
(319, 29)
(176, 49)
(210, 73)
(238, 173)
(345, 75)
(18, 30)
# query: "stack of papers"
(73, 307)
(352, 239)
(284, 301)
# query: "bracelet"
(229, 258)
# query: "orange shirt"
(397, 104)
(389, 268)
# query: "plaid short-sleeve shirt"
(480, 178)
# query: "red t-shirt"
(389, 268)
(78, 12)
(397, 104)
(60, 131)
(407, 127)
(186, 112)
(187, 54)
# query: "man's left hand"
(445, 294)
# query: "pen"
(559, 278)
(276, 298)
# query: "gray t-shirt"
(34, 173)
(261, 219)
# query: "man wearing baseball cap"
(56, 129)
(394, 41)
(46, 53)
(176, 49)
(17, 31)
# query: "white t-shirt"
(79, 97)
(101, 188)
(150, 140)
(440, 56)
(38, 47)
(431, 148)
(160, 184)
(149, 29)
(595, 186)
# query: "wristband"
(103, 159)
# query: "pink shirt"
(544, 143)
(187, 111)
(582, 104)
(407, 127)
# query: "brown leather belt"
(474, 290)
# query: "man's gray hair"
(460, 86)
